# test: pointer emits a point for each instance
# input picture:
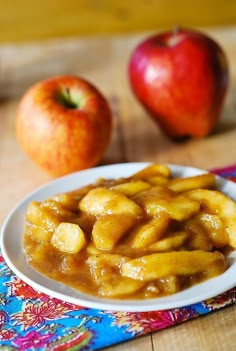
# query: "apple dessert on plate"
(143, 236)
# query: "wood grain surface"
(28, 20)
(103, 61)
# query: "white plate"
(12, 250)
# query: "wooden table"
(135, 138)
(29, 20)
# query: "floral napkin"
(30, 320)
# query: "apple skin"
(181, 78)
(63, 124)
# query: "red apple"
(181, 78)
(64, 124)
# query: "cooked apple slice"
(101, 201)
(132, 187)
(173, 241)
(105, 270)
(215, 202)
(109, 229)
(69, 238)
(200, 181)
(158, 265)
(148, 233)
(153, 170)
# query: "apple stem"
(176, 30)
(66, 99)
(174, 38)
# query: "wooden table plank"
(27, 20)
(213, 332)
(135, 138)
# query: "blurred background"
(94, 38)
(29, 20)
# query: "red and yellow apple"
(181, 78)
(64, 124)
